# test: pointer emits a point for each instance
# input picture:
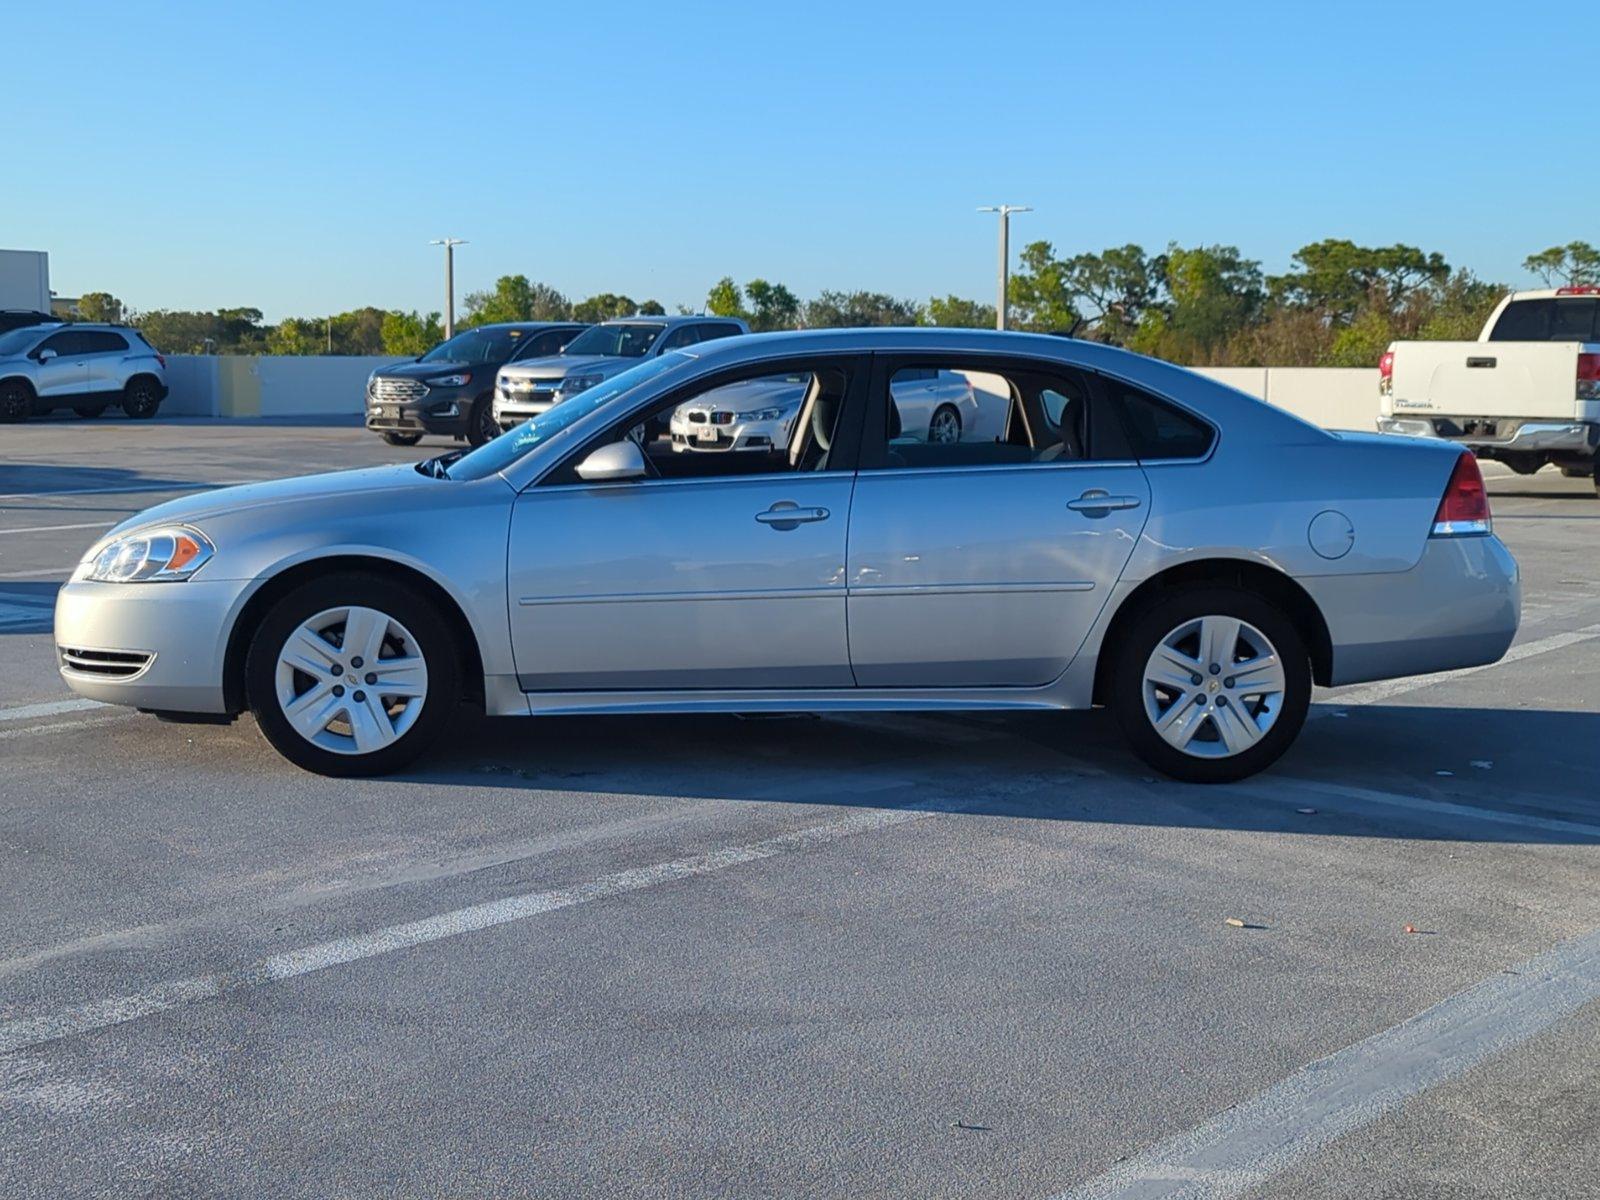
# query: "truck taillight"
(1386, 373)
(1589, 377)
(1465, 507)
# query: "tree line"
(1339, 304)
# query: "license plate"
(705, 434)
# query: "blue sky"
(298, 157)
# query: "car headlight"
(573, 384)
(164, 554)
(759, 414)
(460, 380)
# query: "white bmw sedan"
(1128, 534)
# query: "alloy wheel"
(945, 428)
(1214, 686)
(351, 680)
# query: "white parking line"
(1371, 693)
(60, 528)
(102, 1014)
(50, 708)
(7, 735)
(1241, 1148)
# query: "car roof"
(666, 319)
(525, 325)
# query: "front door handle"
(786, 514)
(1097, 503)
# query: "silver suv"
(87, 368)
(525, 389)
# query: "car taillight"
(1589, 377)
(1465, 507)
(1386, 373)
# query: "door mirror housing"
(608, 464)
(45, 356)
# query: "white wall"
(295, 386)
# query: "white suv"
(87, 368)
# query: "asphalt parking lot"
(942, 956)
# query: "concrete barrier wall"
(293, 386)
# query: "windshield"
(615, 341)
(495, 456)
(19, 340)
(476, 346)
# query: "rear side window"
(96, 341)
(1562, 319)
(709, 332)
(1159, 430)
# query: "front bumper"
(514, 407)
(1514, 435)
(1458, 607)
(159, 646)
(442, 411)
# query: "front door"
(67, 372)
(721, 569)
(984, 560)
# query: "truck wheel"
(1210, 684)
(16, 400)
(353, 674)
(141, 397)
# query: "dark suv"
(450, 389)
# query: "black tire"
(1576, 470)
(16, 400)
(89, 411)
(402, 439)
(403, 603)
(141, 397)
(944, 410)
(481, 425)
(1138, 642)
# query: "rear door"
(983, 559)
(105, 360)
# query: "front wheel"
(402, 439)
(16, 400)
(1211, 684)
(353, 674)
(141, 398)
(482, 427)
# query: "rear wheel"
(16, 400)
(402, 439)
(89, 411)
(944, 428)
(353, 674)
(1211, 684)
(141, 397)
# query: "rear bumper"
(1516, 435)
(1458, 607)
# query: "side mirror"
(619, 460)
(46, 355)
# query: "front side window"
(67, 342)
(616, 341)
(955, 414)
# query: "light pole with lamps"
(449, 245)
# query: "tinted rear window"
(100, 342)
(1157, 429)
(1561, 319)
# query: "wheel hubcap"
(946, 428)
(1214, 686)
(333, 705)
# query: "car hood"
(560, 366)
(230, 501)
(426, 370)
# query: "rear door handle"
(786, 514)
(1097, 503)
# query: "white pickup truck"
(1526, 393)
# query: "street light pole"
(1005, 211)
(449, 245)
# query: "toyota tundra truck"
(1526, 393)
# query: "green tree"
(604, 307)
(226, 331)
(840, 310)
(100, 306)
(298, 335)
(1456, 310)
(1577, 264)
(652, 308)
(411, 334)
(1116, 288)
(515, 298)
(957, 313)
(726, 299)
(1040, 292)
(1212, 293)
(1340, 278)
(772, 306)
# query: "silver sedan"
(1127, 534)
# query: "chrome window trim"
(766, 477)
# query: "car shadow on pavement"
(1392, 771)
(28, 607)
(30, 479)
